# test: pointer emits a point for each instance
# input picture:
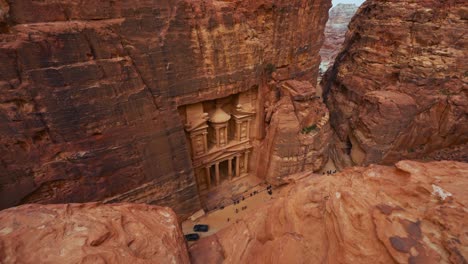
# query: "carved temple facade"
(219, 135)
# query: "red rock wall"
(90, 89)
(298, 132)
(399, 88)
(409, 213)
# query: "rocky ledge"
(91, 233)
(409, 213)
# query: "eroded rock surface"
(91, 233)
(298, 132)
(399, 88)
(90, 89)
(335, 30)
(410, 213)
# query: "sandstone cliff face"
(91, 233)
(298, 133)
(335, 30)
(399, 88)
(411, 213)
(90, 89)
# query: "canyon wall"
(398, 89)
(89, 90)
(91, 233)
(409, 213)
(337, 25)
(298, 132)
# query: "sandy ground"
(330, 166)
(229, 191)
(221, 218)
(218, 220)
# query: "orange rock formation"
(91, 233)
(410, 213)
(398, 89)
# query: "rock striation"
(91, 233)
(337, 25)
(398, 89)
(89, 90)
(298, 132)
(409, 213)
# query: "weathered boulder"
(410, 213)
(398, 89)
(91, 233)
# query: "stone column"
(197, 178)
(238, 126)
(222, 136)
(205, 141)
(237, 165)
(246, 161)
(208, 176)
(248, 129)
(230, 168)
(225, 135)
(217, 136)
(217, 173)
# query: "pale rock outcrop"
(91, 233)
(409, 213)
(339, 17)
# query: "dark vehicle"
(200, 228)
(192, 237)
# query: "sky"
(357, 2)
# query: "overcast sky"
(357, 2)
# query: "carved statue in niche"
(244, 133)
(241, 164)
(199, 145)
(221, 137)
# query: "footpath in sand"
(221, 218)
(253, 199)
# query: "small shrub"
(307, 130)
(444, 92)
